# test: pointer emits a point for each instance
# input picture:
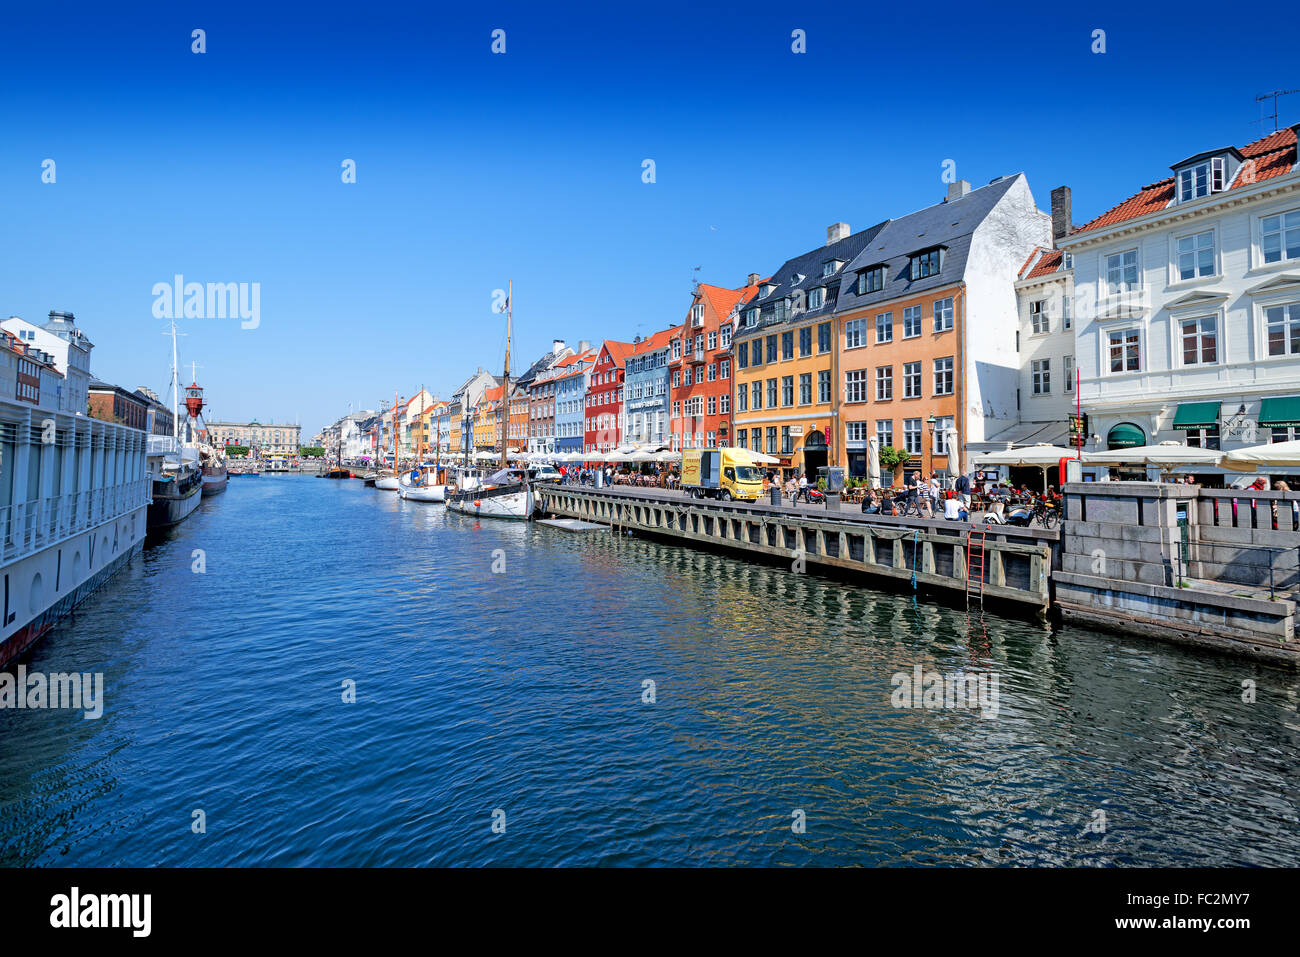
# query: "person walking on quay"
(963, 490)
(792, 490)
(767, 483)
(803, 486)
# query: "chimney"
(752, 279)
(583, 346)
(835, 232)
(1062, 221)
(557, 347)
(957, 190)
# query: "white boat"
(507, 494)
(410, 486)
(388, 483)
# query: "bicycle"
(1045, 514)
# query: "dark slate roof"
(948, 224)
(537, 368)
(809, 265)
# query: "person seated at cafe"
(953, 509)
(1259, 485)
(871, 504)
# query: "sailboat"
(387, 481)
(177, 479)
(507, 493)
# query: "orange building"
(700, 365)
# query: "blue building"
(646, 399)
(571, 402)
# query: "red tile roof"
(1274, 155)
(655, 342)
(724, 300)
(618, 351)
(1048, 263)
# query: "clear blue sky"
(474, 168)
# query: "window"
(787, 345)
(697, 314)
(805, 388)
(1200, 340)
(677, 379)
(1038, 320)
(926, 263)
(884, 383)
(751, 317)
(1068, 364)
(855, 333)
(1042, 375)
(787, 390)
(871, 280)
(1201, 179)
(1125, 352)
(912, 435)
(942, 315)
(824, 385)
(885, 432)
(724, 403)
(757, 395)
(724, 337)
(855, 385)
(1196, 255)
(943, 376)
(911, 380)
(771, 393)
(1204, 438)
(771, 440)
(1122, 271)
(786, 448)
(816, 297)
(742, 438)
(742, 356)
(713, 341)
(742, 398)
(884, 327)
(911, 322)
(1283, 329)
(713, 405)
(677, 352)
(771, 349)
(824, 337)
(687, 376)
(1067, 312)
(699, 343)
(942, 425)
(724, 369)
(1280, 236)
(805, 341)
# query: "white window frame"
(1175, 256)
(1111, 289)
(855, 333)
(1179, 357)
(1040, 377)
(887, 327)
(1141, 346)
(1281, 213)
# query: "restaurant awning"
(1280, 412)
(1197, 415)
(1125, 436)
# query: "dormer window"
(765, 291)
(871, 280)
(697, 314)
(1205, 173)
(816, 297)
(795, 280)
(829, 267)
(927, 263)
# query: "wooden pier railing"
(1017, 563)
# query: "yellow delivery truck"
(721, 473)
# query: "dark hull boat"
(175, 496)
(215, 478)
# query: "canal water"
(501, 674)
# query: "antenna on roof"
(1273, 95)
(695, 280)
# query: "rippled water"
(522, 691)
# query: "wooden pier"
(1017, 562)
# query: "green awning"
(1125, 436)
(1280, 412)
(1197, 415)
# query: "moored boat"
(387, 483)
(422, 485)
(177, 491)
(505, 494)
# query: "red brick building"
(604, 413)
(701, 367)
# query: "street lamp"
(930, 422)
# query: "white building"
(1187, 304)
(70, 348)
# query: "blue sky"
(474, 168)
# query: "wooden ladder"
(975, 565)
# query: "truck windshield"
(747, 473)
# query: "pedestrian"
(964, 489)
(803, 486)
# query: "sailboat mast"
(176, 387)
(505, 386)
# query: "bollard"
(776, 495)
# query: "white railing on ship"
(39, 523)
(160, 445)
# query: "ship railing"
(37, 523)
